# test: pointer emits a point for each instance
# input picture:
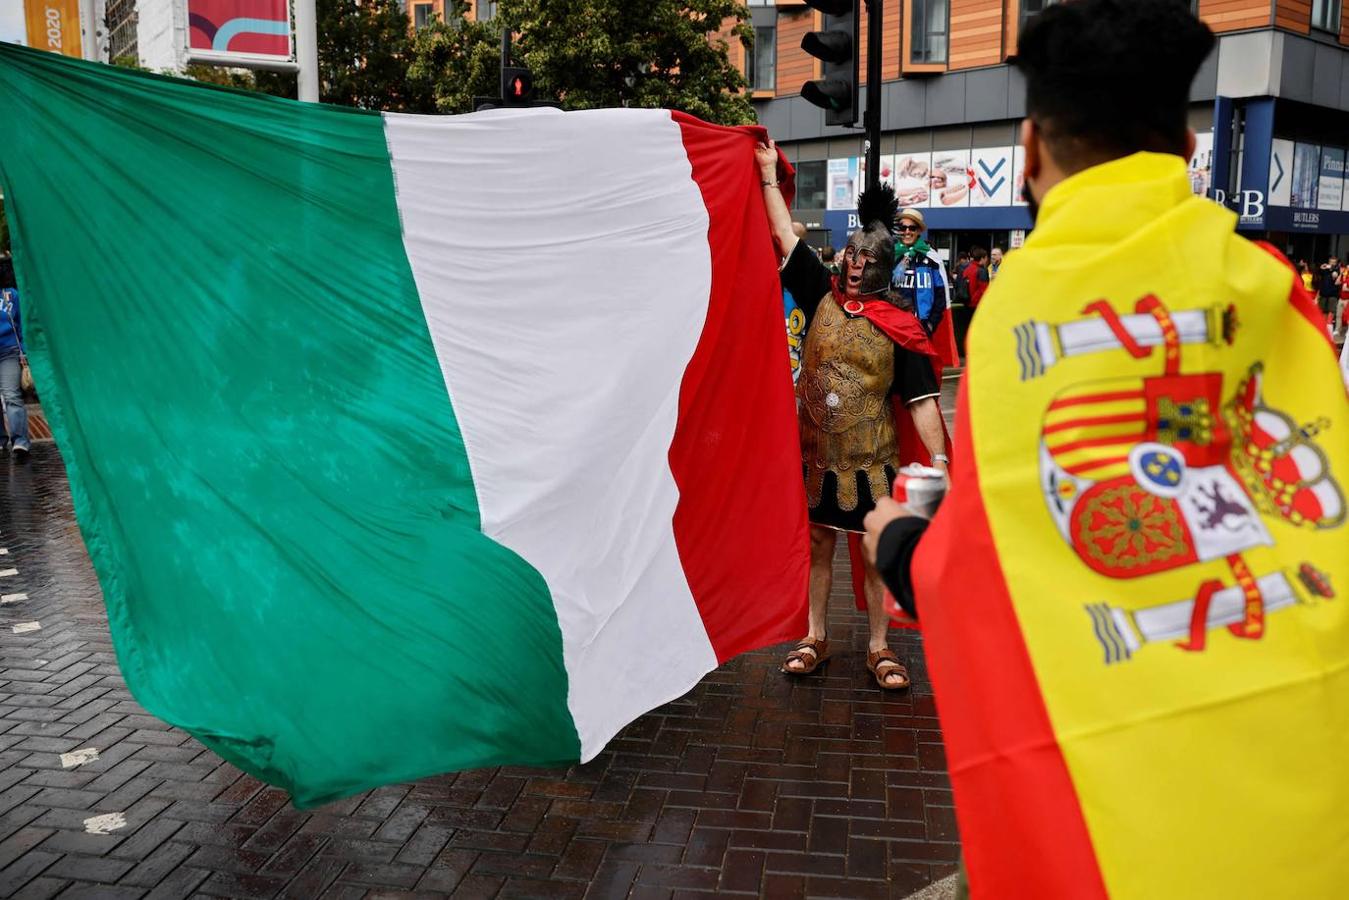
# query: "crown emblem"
(1279, 462)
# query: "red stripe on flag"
(1095, 398)
(741, 534)
(1095, 420)
(1021, 825)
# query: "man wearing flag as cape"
(867, 403)
(1132, 597)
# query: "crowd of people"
(1329, 282)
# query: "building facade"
(1270, 108)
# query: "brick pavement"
(749, 785)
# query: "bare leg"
(895, 676)
(822, 542)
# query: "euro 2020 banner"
(240, 30)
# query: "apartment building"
(1270, 106)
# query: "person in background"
(976, 275)
(868, 401)
(1328, 291)
(1341, 325)
(828, 256)
(1305, 271)
(12, 362)
(919, 276)
(994, 262)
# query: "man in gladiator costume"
(865, 358)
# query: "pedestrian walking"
(13, 363)
(1328, 291)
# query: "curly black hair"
(1107, 78)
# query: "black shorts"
(829, 515)
(1329, 304)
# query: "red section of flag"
(1301, 298)
(1021, 825)
(741, 534)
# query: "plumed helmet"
(875, 240)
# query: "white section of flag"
(612, 230)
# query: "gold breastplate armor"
(846, 424)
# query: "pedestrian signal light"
(836, 48)
(517, 86)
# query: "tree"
(455, 61)
(365, 47)
(649, 53)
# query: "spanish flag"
(1134, 598)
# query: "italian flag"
(406, 444)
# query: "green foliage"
(455, 61)
(365, 48)
(648, 53)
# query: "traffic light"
(517, 86)
(836, 48)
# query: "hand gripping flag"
(406, 444)
(1134, 598)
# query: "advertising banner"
(1201, 164)
(54, 25)
(912, 174)
(239, 31)
(992, 171)
(951, 178)
(1330, 187)
(1281, 172)
(1306, 173)
(1018, 174)
(844, 175)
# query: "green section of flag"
(264, 459)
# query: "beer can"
(921, 488)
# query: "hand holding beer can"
(920, 488)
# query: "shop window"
(931, 26)
(761, 60)
(421, 14)
(811, 189)
(1326, 15)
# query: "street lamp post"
(307, 51)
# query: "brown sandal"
(877, 664)
(811, 652)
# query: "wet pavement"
(751, 784)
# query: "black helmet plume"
(878, 205)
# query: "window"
(931, 21)
(1031, 7)
(1326, 15)
(421, 14)
(487, 9)
(761, 60)
(811, 189)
